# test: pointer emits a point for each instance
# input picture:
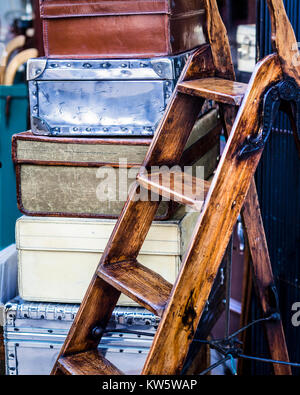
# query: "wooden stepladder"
(247, 111)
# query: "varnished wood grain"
(264, 279)
(252, 218)
(138, 282)
(202, 360)
(218, 89)
(166, 148)
(193, 363)
(124, 244)
(261, 266)
(95, 310)
(136, 217)
(284, 40)
(260, 263)
(200, 65)
(178, 186)
(217, 37)
(223, 203)
(87, 363)
(180, 116)
(222, 206)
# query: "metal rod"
(228, 285)
(216, 341)
(215, 365)
(251, 324)
(297, 365)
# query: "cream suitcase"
(58, 256)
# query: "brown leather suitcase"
(121, 28)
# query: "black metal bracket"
(286, 92)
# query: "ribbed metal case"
(34, 334)
(101, 97)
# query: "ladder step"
(87, 363)
(178, 186)
(217, 89)
(138, 282)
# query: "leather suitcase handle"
(15, 43)
(21, 58)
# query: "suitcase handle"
(21, 58)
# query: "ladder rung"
(178, 186)
(217, 89)
(138, 282)
(87, 363)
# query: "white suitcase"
(58, 256)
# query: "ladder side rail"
(223, 204)
(284, 40)
(217, 37)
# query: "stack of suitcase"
(95, 102)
